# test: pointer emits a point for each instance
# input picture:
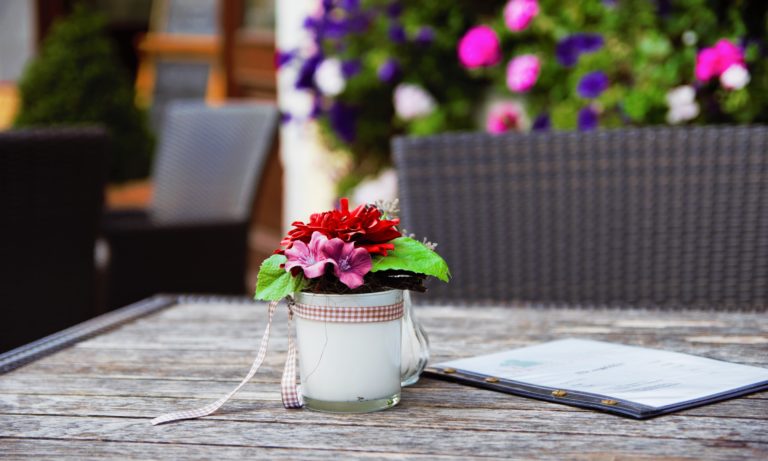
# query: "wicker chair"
(51, 195)
(194, 236)
(654, 217)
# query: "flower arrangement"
(418, 68)
(348, 251)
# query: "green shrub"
(77, 80)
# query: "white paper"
(646, 376)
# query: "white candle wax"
(349, 362)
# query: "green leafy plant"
(77, 80)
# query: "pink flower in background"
(479, 47)
(713, 61)
(503, 117)
(350, 263)
(522, 73)
(519, 13)
(310, 259)
(706, 64)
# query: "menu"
(629, 380)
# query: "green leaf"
(412, 255)
(274, 282)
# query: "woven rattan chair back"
(654, 217)
(209, 161)
(51, 195)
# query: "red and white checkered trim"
(349, 314)
(288, 390)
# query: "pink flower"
(519, 13)
(310, 259)
(503, 117)
(522, 73)
(479, 47)
(713, 61)
(350, 264)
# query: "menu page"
(649, 377)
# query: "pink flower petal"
(479, 47)
(316, 243)
(360, 261)
(334, 248)
(351, 279)
(519, 13)
(315, 270)
(522, 72)
(298, 249)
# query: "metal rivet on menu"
(559, 393)
(608, 402)
(449, 370)
(491, 379)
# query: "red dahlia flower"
(362, 226)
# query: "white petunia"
(382, 187)
(682, 104)
(735, 77)
(329, 77)
(412, 101)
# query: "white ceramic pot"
(349, 367)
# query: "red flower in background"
(363, 226)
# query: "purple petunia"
(587, 119)
(350, 5)
(309, 258)
(350, 264)
(306, 77)
(570, 48)
(284, 57)
(592, 84)
(397, 33)
(541, 123)
(350, 68)
(394, 9)
(425, 35)
(335, 28)
(342, 120)
(311, 23)
(358, 24)
(389, 71)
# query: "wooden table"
(95, 399)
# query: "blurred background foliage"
(649, 48)
(77, 79)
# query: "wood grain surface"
(94, 400)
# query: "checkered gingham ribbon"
(289, 391)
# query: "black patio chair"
(51, 196)
(194, 236)
(652, 217)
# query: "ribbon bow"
(289, 391)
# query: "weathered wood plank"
(424, 441)
(412, 413)
(102, 392)
(239, 327)
(37, 449)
